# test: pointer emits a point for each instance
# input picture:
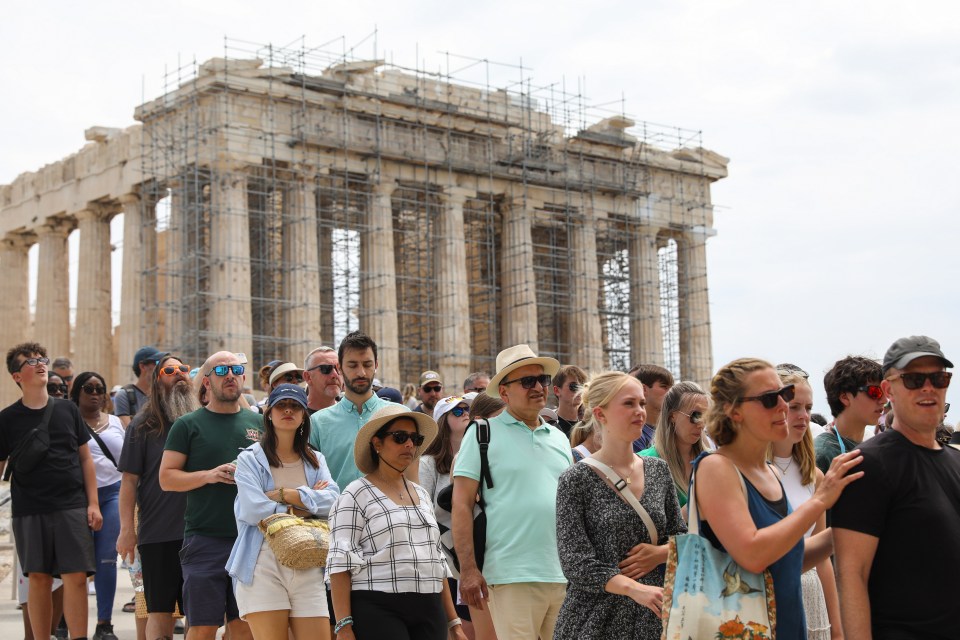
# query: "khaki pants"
(526, 610)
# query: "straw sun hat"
(361, 445)
(512, 359)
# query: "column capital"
(61, 226)
(698, 233)
(456, 195)
(522, 202)
(19, 240)
(94, 212)
(385, 187)
(130, 199)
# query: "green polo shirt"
(681, 493)
(522, 505)
(333, 431)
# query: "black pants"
(397, 616)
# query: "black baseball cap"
(906, 350)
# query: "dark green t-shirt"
(208, 440)
(827, 447)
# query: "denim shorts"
(207, 587)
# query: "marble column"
(15, 310)
(378, 293)
(301, 277)
(94, 329)
(517, 282)
(451, 294)
(230, 319)
(324, 226)
(138, 283)
(171, 250)
(585, 339)
(696, 359)
(52, 322)
(646, 331)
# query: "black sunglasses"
(222, 370)
(93, 389)
(325, 369)
(574, 387)
(53, 388)
(529, 382)
(401, 437)
(433, 388)
(290, 377)
(939, 379)
(769, 399)
(696, 417)
(873, 391)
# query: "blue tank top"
(791, 622)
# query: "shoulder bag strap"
(103, 447)
(43, 426)
(47, 414)
(693, 514)
(620, 485)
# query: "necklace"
(100, 425)
(628, 477)
(783, 469)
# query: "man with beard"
(322, 375)
(160, 533)
(334, 429)
(199, 459)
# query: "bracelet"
(280, 499)
(342, 623)
(454, 622)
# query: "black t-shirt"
(161, 512)
(56, 484)
(565, 425)
(908, 498)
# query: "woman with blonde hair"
(615, 511)
(795, 458)
(584, 440)
(743, 505)
(679, 438)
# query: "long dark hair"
(81, 380)
(301, 437)
(442, 446)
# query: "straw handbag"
(297, 543)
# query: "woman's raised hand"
(838, 476)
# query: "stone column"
(451, 294)
(646, 331)
(170, 251)
(230, 321)
(378, 292)
(517, 283)
(696, 358)
(52, 322)
(138, 279)
(325, 262)
(301, 276)
(94, 328)
(586, 341)
(15, 310)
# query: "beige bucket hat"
(513, 358)
(361, 445)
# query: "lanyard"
(843, 447)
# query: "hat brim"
(361, 445)
(550, 367)
(904, 360)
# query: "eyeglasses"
(769, 399)
(93, 389)
(54, 389)
(697, 416)
(325, 369)
(458, 411)
(787, 369)
(34, 362)
(433, 388)
(172, 370)
(873, 391)
(222, 370)
(290, 377)
(401, 437)
(914, 380)
(529, 382)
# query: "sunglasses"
(697, 416)
(770, 398)
(325, 369)
(222, 370)
(458, 411)
(291, 377)
(401, 437)
(93, 389)
(288, 405)
(53, 388)
(529, 382)
(34, 362)
(433, 388)
(172, 370)
(477, 389)
(873, 391)
(574, 387)
(939, 379)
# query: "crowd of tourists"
(636, 506)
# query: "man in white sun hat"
(521, 577)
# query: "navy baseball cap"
(288, 392)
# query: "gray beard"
(178, 401)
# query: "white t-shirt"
(797, 493)
(112, 436)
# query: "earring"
(301, 430)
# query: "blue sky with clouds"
(837, 228)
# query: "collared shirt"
(521, 507)
(646, 438)
(333, 431)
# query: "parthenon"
(271, 204)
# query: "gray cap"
(905, 350)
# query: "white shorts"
(277, 588)
(23, 586)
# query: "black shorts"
(162, 576)
(55, 543)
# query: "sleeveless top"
(791, 623)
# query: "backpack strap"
(483, 439)
(131, 398)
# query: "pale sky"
(837, 227)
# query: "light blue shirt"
(333, 431)
(521, 507)
(253, 478)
